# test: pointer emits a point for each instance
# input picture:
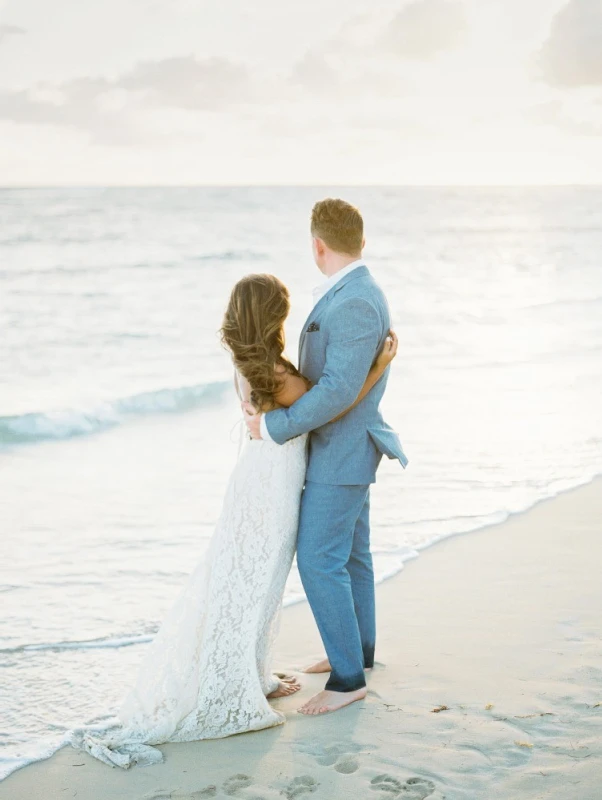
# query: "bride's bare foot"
(316, 669)
(325, 702)
(286, 687)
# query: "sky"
(179, 92)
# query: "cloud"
(342, 80)
(572, 54)
(10, 30)
(190, 83)
(120, 111)
(315, 73)
(80, 104)
(585, 120)
(424, 28)
(347, 67)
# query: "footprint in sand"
(299, 787)
(346, 765)
(231, 787)
(204, 794)
(234, 784)
(207, 793)
(412, 789)
(339, 756)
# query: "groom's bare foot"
(317, 669)
(325, 702)
(286, 687)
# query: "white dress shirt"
(318, 293)
(322, 290)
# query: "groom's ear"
(319, 246)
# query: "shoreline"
(135, 639)
(441, 648)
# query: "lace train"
(207, 673)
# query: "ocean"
(119, 425)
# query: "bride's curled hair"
(253, 331)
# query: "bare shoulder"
(292, 387)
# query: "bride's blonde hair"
(253, 331)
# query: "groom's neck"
(337, 262)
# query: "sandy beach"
(488, 685)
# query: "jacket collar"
(320, 291)
(358, 272)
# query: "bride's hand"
(252, 420)
(389, 351)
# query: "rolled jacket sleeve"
(354, 334)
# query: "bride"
(207, 673)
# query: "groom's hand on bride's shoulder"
(252, 420)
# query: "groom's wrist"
(263, 428)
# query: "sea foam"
(66, 424)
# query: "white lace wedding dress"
(207, 673)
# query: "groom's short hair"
(339, 225)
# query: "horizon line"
(21, 186)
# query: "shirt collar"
(320, 291)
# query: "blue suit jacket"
(339, 343)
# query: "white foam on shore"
(66, 424)
(41, 751)
(92, 644)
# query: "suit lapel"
(320, 306)
(312, 316)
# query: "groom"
(339, 343)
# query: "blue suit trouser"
(335, 564)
